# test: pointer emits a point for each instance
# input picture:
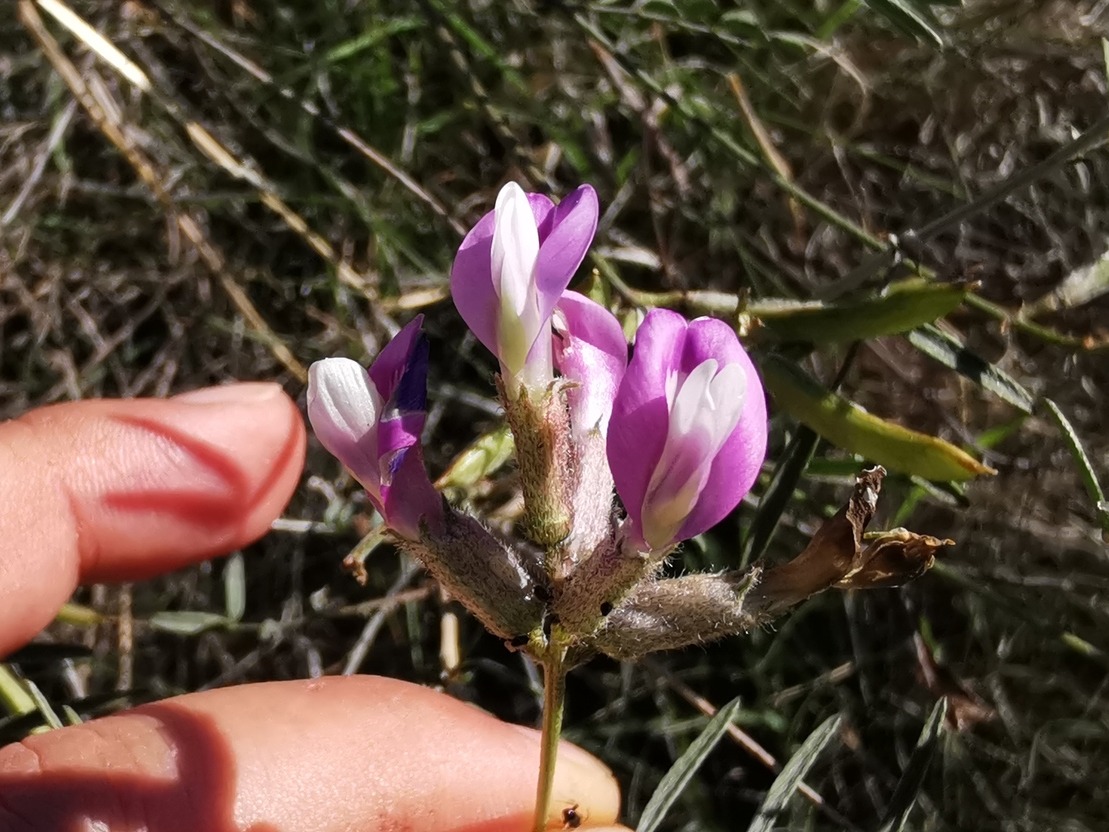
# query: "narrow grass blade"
(14, 698)
(910, 18)
(794, 772)
(49, 715)
(849, 426)
(904, 796)
(234, 587)
(945, 349)
(793, 465)
(1085, 467)
(78, 615)
(675, 780)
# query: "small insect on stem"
(571, 818)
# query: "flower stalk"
(554, 701)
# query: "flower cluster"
(678, 433)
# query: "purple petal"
(394, 438)
(410, 499)
(395, 357)
(472, 287)
(640, 415)
(590, 349)
(666, 344)
(739, 461)
(543, 207)
(343, 407)
(709, 338)
(410, 393)
(561, 249)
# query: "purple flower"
(372, 420)
(590, 350)
(512, 268)
(687, 435)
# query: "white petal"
(691, 397)
(515, 247)
(343, 407)
(704, 411)
(724, 397)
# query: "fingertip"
(105, 490)
(182, 480)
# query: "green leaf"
(904, 305)
(785, 784)
(947, 350)
(1085, 467)
(700, 11)
(483, 457)
(373, 38)
(78, 615)
(188, 622)
(904, 796)
(661, 8)
(912, 19)
(675, 780)
(849, 426)
(234, 587)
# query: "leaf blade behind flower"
(672, 783)
(903, 306)
(904, 796)
(852, 428)
(792, 774)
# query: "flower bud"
(672, 613)
(372, 421)
(497, 583)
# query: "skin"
(122, 490)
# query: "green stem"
(554, 697)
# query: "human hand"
(123, 490)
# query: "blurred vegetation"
(291, 185)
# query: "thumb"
(328, 755)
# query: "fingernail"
(244, 392)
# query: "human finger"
(106, 490)
(338, 753)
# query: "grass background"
(103, 294)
